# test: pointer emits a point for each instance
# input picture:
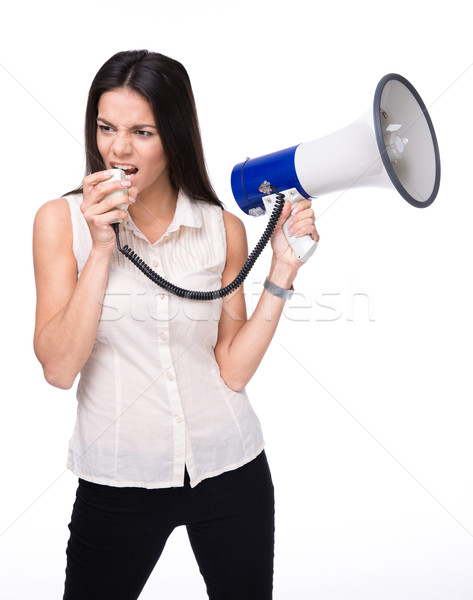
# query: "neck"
(154, 205)
(153, 212)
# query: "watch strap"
(275, 290)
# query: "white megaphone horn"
(394, 144)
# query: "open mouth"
(129, 170)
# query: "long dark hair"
(165, 84)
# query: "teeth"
(123, 167)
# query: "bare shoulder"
(237, 247)
(53, 256)
(235, 230)
(55, 266)
(52, 223)
(55, 210)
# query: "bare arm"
(68, 309)
(242, 343)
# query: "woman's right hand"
(99, 211)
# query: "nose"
(121, 145)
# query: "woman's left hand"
(301, 222)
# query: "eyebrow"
(140, 126)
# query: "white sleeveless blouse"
(150, 397)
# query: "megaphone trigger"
(304, 246)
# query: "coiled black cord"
(214, 294)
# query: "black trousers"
(118, 535)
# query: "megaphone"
(394, 144)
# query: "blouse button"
(169, 376)
(155, 263)
(163, 336)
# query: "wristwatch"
(275, 290)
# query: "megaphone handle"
(303, 247)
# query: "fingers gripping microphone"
(393, 144)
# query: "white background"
(365, 394)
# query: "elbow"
(233, 376)
(235, 386)
(59, 382)
(57, 378)
(232, 381)
(55, 374)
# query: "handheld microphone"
(118, 175)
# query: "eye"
(143, 134)
(105, 128)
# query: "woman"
(165, 434)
